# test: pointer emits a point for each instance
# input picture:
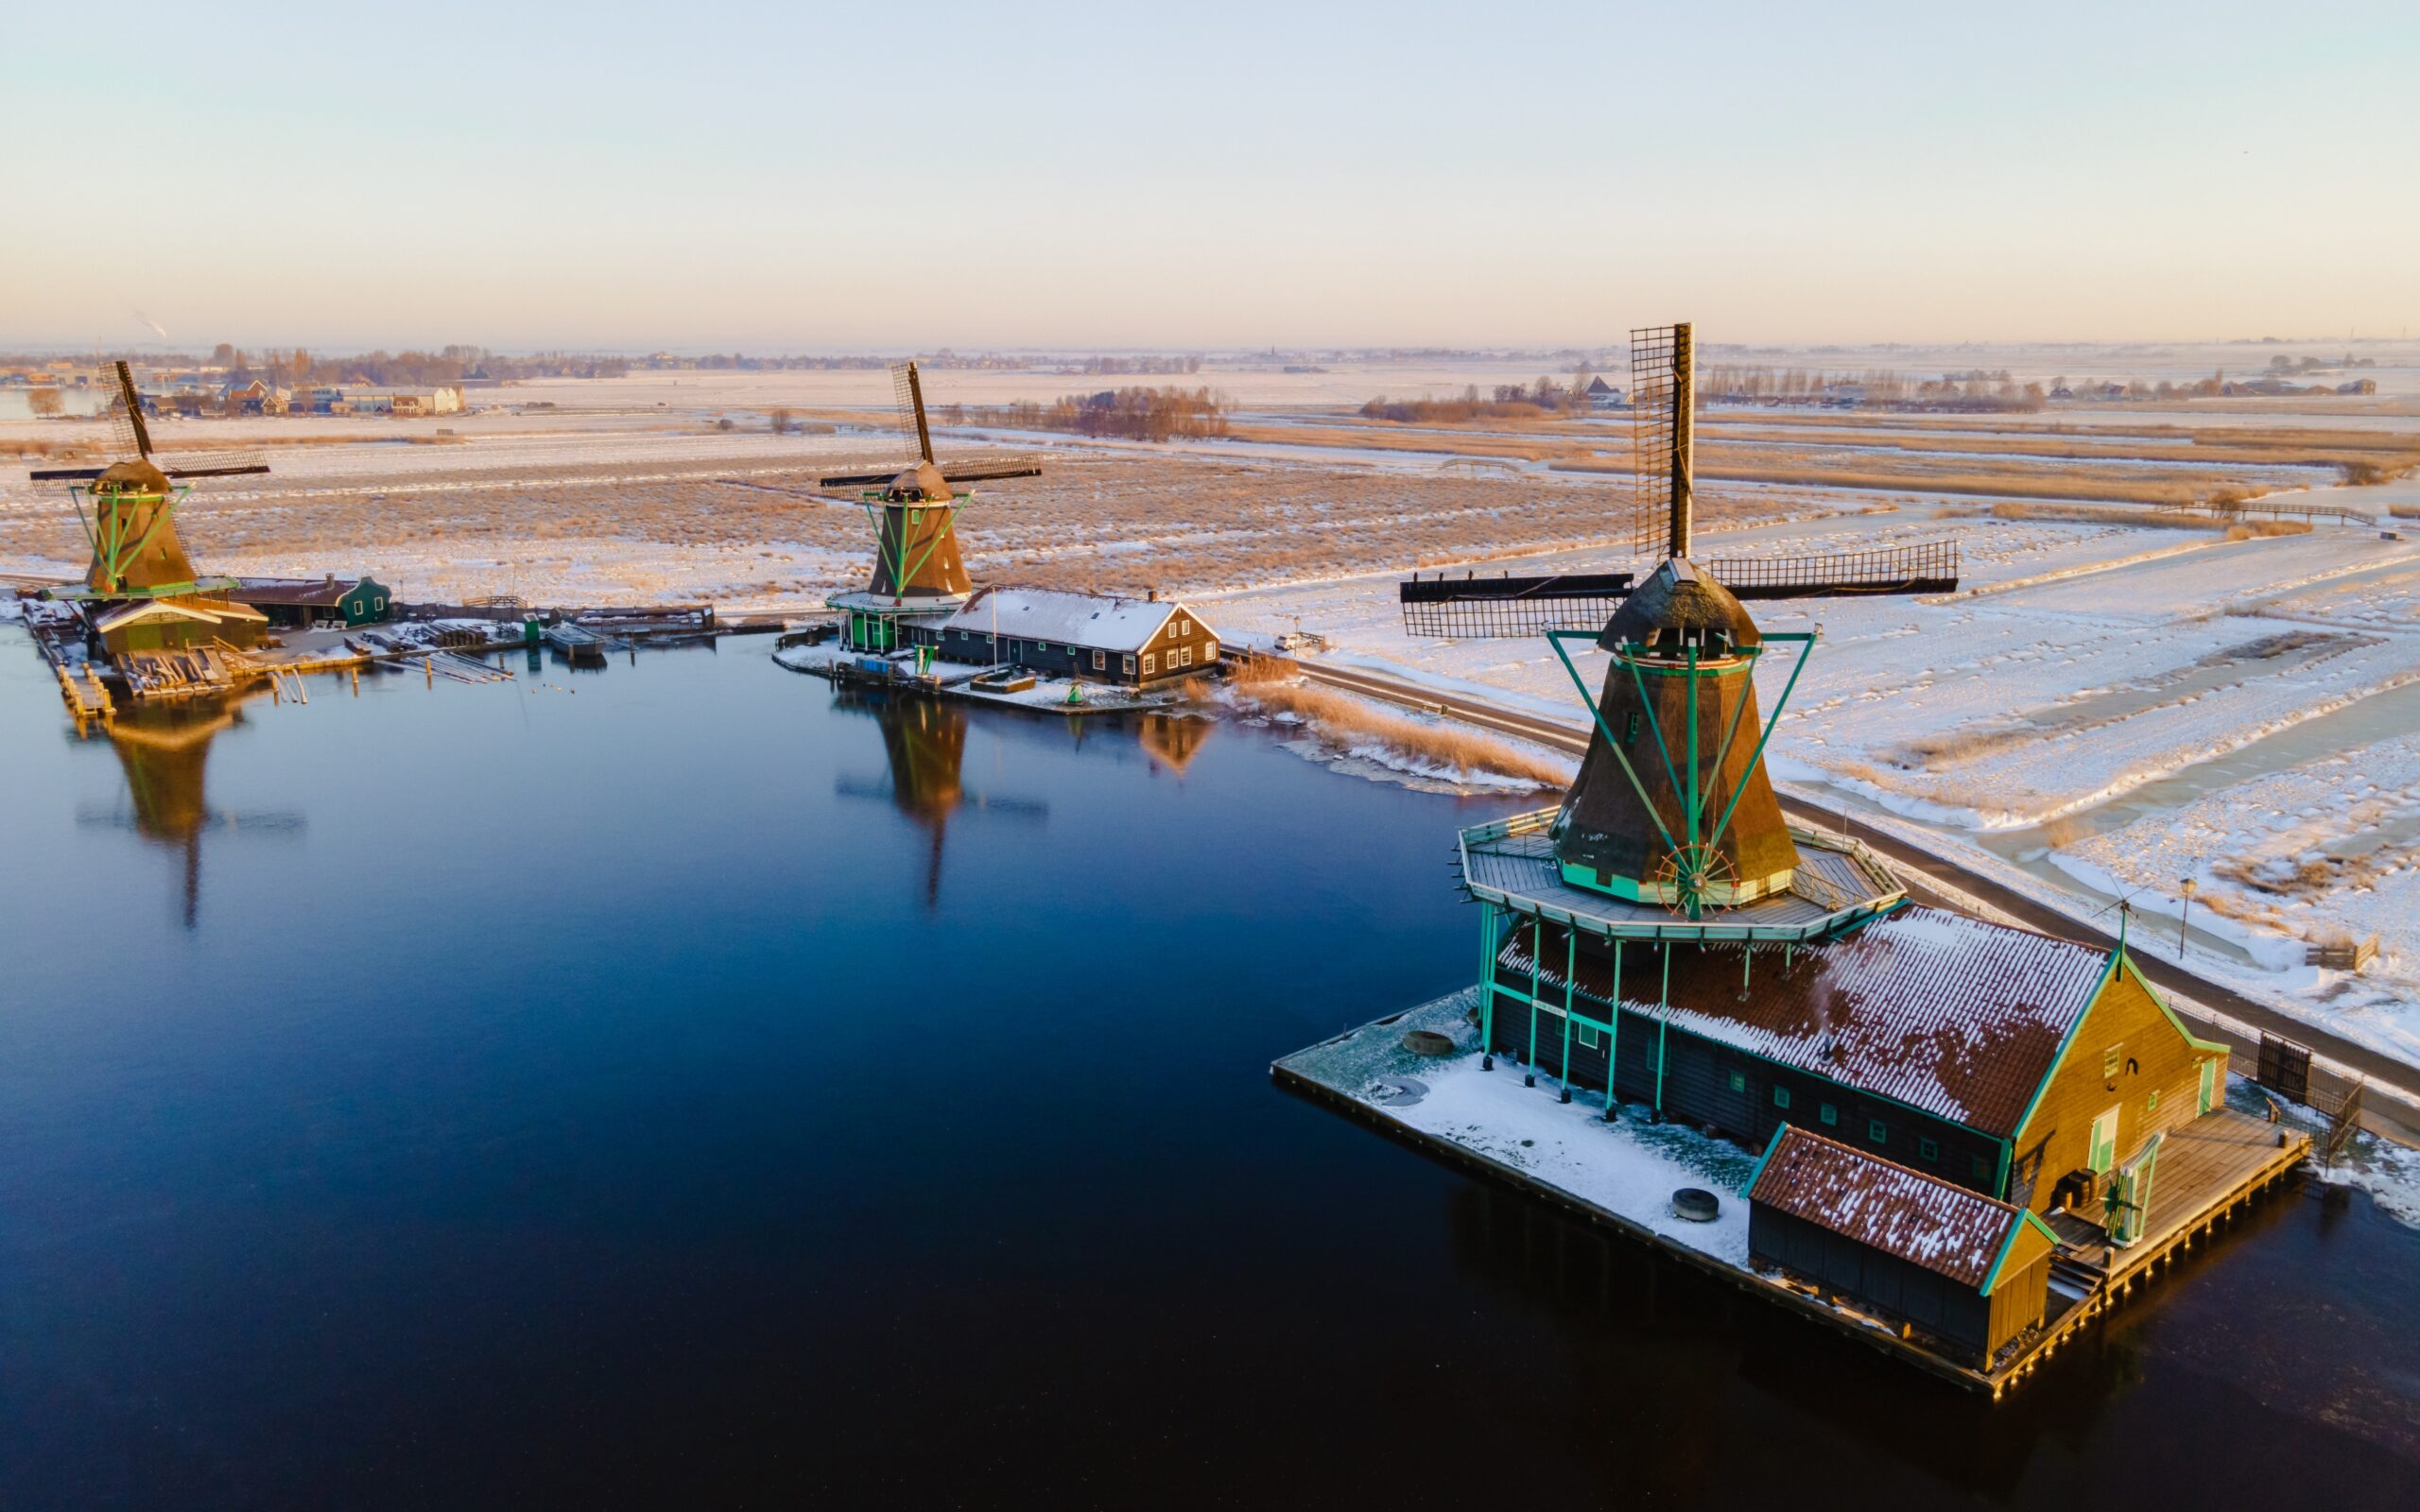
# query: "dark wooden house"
(2010, 1063)
(1089, 636)
(1906, 1246)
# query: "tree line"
(1160, 414)
(294, 366)
(1509, 402)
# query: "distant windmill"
(131, 523)
(913, 509)
(1661, 514)
(1673, 805)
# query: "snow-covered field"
(2102, 707)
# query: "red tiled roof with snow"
(1945, 1013)
(1921, 1219)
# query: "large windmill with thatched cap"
(913, 508)
(140, 588)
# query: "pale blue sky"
(1213, 174)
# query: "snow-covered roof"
(1920, 1218)
(1088, 620)
(1948, 1013)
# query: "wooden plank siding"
(1698, 1087)
(2151, 1053)
(1170, 652)
(1883, 1285)
(2022, 1294)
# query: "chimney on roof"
(1152, 595)
(332, 579)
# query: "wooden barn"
(1904, 1245)
(1079, 635)
(2004, 1061)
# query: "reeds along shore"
(1266, 686)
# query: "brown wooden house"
(1907, 1246)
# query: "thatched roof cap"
(134, 476)
(1679, 599)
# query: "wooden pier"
(2212, 1171)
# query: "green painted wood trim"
(1643, 1011)
(2066, 1043)
(2206, 1046)
(2024, 1219)
(1771, 720)
(1992, 1277)
(1758, 1169)
(1611, 744)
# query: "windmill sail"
(1662, 378)
(1660, 520)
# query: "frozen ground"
(1627, 1168)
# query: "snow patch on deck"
(1628, 1169)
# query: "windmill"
(925, 742)
(131, 522)
(1660, 511)
(1672, 806)
(913, 508)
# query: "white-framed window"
(1210, 652)
(1182, 629)
(1100, 660)
(1150, 663)
(1589, 1037)
(1130, 665)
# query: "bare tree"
(45, 402)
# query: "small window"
(1877, 1131)
(1738, 1081)
(1589, 1037)
(1929, 1149)
(1781, 1098)
(1129, 667)
(1100, 660)
(2150, 1105)
(1629, 731)
(1182, 629)
(1150, 663)
(1982, 1168)
(1828, 1113)
(2109, 1062)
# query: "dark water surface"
(698, 1090)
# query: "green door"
(2209, 1097)
(2104, 1141)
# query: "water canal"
(682, 1085)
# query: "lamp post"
(2184, 913)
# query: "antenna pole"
(916, 392)
(1684, 423)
